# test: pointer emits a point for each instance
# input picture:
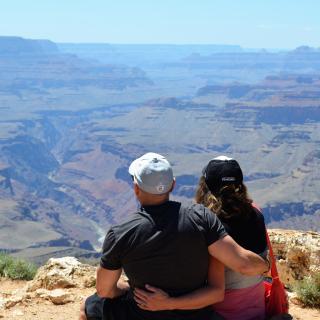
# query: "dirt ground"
(39, 309)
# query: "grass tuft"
(308, 291)
(16, 268)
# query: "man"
(165, 245)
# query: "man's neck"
(153, 202)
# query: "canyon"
(73, 117)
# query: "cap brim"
(203, 171)
(133, 167)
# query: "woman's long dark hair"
(230, 201)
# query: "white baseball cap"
(153, 173)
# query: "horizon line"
(163, 43)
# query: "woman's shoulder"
(249, 232)
(257, 213)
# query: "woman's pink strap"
(274, 271)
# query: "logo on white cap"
(153, 173)
(160, 187)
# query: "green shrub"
(308, 291)
(16, 268)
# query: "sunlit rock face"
(297, 253)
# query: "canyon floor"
(39, 309)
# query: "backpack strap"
(273, 266)
(274, 271)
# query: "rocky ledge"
(66, 280)
(52, 282)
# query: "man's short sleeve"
(110, 258)
(214, 230)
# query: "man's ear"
(173, 184)
(136, 189)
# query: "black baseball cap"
(222, 171)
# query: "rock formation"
(297, 253)
(60, 273)
(52, 283)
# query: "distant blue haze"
(249, 23)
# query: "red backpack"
(276, 297)
(275, 294)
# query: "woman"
(221, 189)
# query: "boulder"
(41, 293)
(60, 296)
(51, 281)
(297, 253)
(64, 272)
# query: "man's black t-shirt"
(165, 246)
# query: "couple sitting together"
(199, 261)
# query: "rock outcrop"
(65, 272)
(297, 253)
(52, 283)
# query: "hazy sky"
(250, 23)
